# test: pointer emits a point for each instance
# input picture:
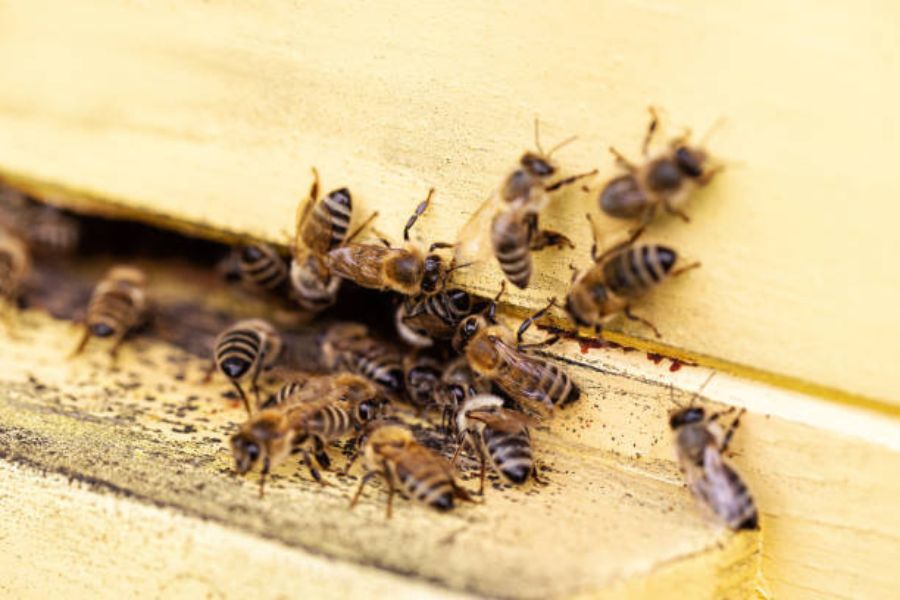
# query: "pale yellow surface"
(212, 114)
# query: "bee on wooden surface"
(620, 276)
(700, 445)
(418, 473)
(458, 382)
(15, 264)
(408, 270)
(50, 232)
(422, 374)
(493, 353)
(497, 435)
(364, 398)
(118, 305)
(349, 347)
(514, 210)
(665, 179)
(242, 351)
(422, 319)
(263, 267)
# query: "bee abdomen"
(741, 514)
(381, 365)
(510, 241)
(286, 391)
(110, 313)
(331, 422)
(510, 454)
(623, 198)
(431, 487)
(338, 206)
(557, 386)
(312, 292)
(237, 352)
(638, 269)
(262, 266)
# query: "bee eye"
(461, 300)
(688, 162)
(537, 165)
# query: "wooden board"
(209, 115)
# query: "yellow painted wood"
(210, 115)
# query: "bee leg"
(390, 483)
(312, 469)
(535, 474)
(651, 129)
(546, 237)
(114, 351)
(491, 312)
(440, 246)
(321, 455)
(632, 238)
(542, 344)
(481, 484)
(726, 439)
(366, 478)
(263, 475)
(622, 161)
(685, 269)
(569, 180)
(460, 442)
(243, 396)
(207, 377)
(633, 317)
(528, 322)
(360, 229)
(676, 211)
(708, 175)
(82, 343)
(418, 213)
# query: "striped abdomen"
(263, 267)
(735, 508)
(329, 422)
(328, 223)
(112, 311)
(378, 362)
(509, 453)
(637, 269)
(449, 306)
(510, 238)
(540, 381)
(238, 352)
(284, 393)
(425, 480)
(314, 288)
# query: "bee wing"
(360, 263)
(503, 419)
(721, 487)
(475, 236)
(521, 375)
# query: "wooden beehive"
(206, 117)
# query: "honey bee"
(497, 435)
(418, 473)
(422, 319)
(243, 351)
(118, 305)
(458, 382)
(349, 347)
(314, 287)
(666, 179)
(51, 232)
(494, 354)
(263, 267)
(514, 211)
(15, 264)
(422, 374)
(620, 276)
(362, 396)
(700, 445)
(408, 270)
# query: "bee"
(458, 382)
(497, 435)
(618, 277)
(418, 473)
(263, 267)
(349, 347)
(118, 305)
(51, 232)
(494, 354)
(422, 374)
(666, 179)
(422, 319)
(364, 397)
(408, 270)
(700, 445)
(514, 211)
(243, 351)
(15, 263)
(314, 287)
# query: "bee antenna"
(565, 142)
(537, 135)
(702, 387)
(717, 124)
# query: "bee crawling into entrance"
(242, 351)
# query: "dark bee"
(497, 435)
(422, 319)
(408, 270)
(349, 347)
(665, 179)
(494, 354)
(620, 276)
(514, 211)
(118, 305)
(14, 267)
(314, 287)
(422, 374)
(242, 351)
(700, 445)
(458, 382)
(263, 267)
(418, 473)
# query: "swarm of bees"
(454, 357)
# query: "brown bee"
(458, 382)
(514, 211)
(422, 319)
(362, 396)
(15, 264)
(243, 351)
(314, 287)
(349, 347)
(666, 179)
(497, 435)
(408, 270)
(263, 267)
(50, 232)
(494, 354)
(118, 305)
(418, 473)
(619, 277)
(422, 374)
(700, 445)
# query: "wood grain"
(209, 115)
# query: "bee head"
(686, 416)
(434, 274)
(690, 161)
(371, 409)
(245, 450)
(466, 330)
(537, 165)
